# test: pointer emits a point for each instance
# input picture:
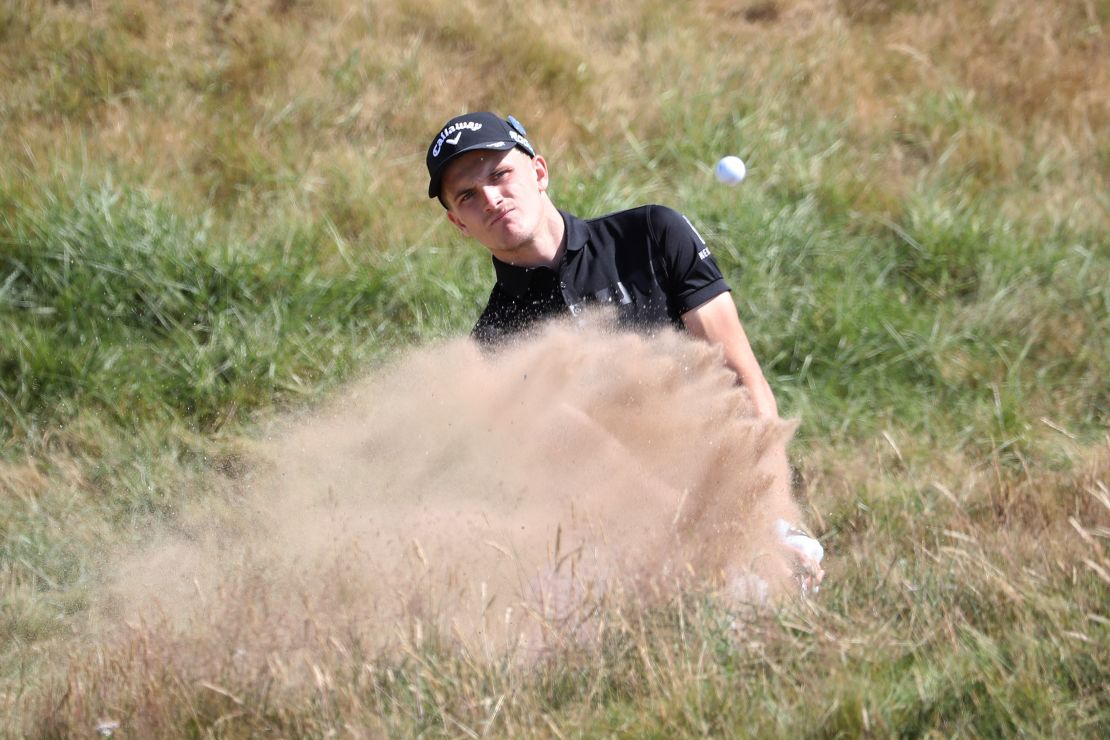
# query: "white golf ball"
(731, 170)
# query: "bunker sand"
(501, 500)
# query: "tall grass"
(213, 214)
(114, 302)
(927, 630)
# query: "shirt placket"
(570, 298)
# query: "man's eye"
(498, 174)
(463, 197)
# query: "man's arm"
(717, 322)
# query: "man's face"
(497, 198)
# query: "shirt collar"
(517, 279)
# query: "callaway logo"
(460, 127)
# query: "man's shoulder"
(636, 215)
(651, 218)
(661, 224)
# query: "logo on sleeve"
(695, 232)
(704, 253)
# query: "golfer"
(648, 262)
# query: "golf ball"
(731, 170)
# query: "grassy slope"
(210, 214)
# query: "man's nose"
(492, 197)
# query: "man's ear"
(458, 222)
(539, 166)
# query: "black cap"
(465, 133)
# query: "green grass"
(208, 220)
(115, 303)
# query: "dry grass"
(949, 609)
(1011, 95)
(257, 100)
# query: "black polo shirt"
(649, 262)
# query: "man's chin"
(506, 242)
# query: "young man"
(649, 261)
